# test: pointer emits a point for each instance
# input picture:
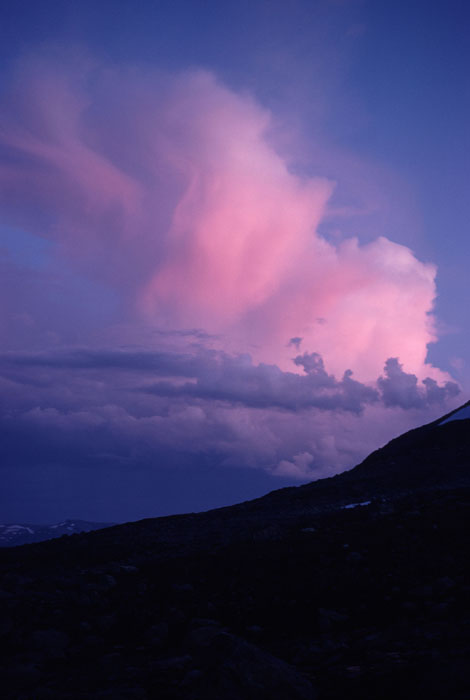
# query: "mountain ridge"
(15, 534)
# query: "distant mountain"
(16, 534)
(351, 587)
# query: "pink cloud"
(355, 304)
(169, 189)
(243, 222)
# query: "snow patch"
(461, 414)
(355, 505)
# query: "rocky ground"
(365, 602)
(295, 596)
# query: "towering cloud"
(182, 306)
(169, 189)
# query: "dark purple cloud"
(211, 375)
(126, 404)
(398, 388)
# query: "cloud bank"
(131, 405)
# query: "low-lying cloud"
(131, 404)
(212, 375)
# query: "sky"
(233, 245)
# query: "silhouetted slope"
(435, 455)
(289, 597)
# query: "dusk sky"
(233, 245)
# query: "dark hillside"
(292, 596)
